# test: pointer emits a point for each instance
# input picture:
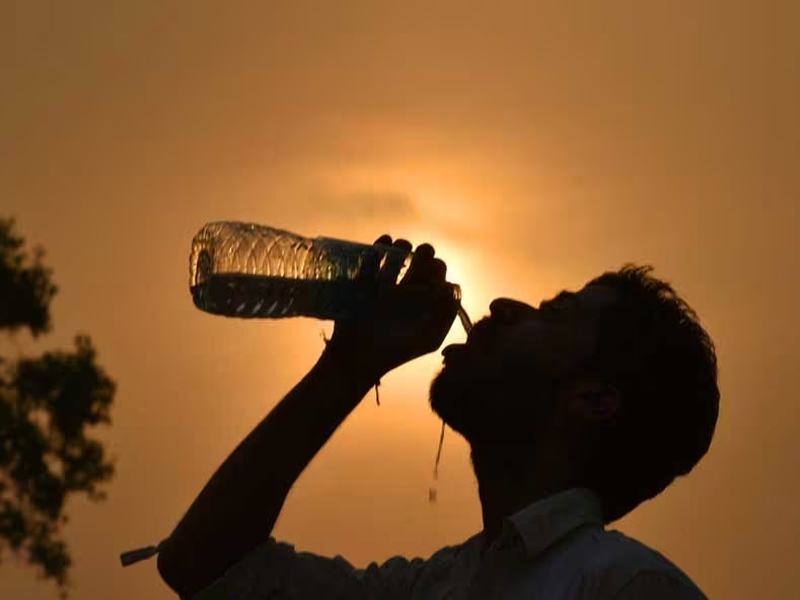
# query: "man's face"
(501, 384)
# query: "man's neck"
(505, 490)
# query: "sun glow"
(443, 211)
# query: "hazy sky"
(535, 144)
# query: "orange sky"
(537, 145)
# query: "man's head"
(620, 376)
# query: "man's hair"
(653, 349)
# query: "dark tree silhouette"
(47, 404)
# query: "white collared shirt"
(555, 549)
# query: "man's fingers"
(424, 252)
(385, 266)
(371, 264)
(438, 270)
(421, 264)
(394, 260)
(403, 245)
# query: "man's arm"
(238, 508)
(660, 585)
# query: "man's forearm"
(238, 508)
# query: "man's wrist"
(353, 367)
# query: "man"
(576, 412)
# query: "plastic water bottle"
(252, 271)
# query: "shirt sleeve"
(277, 570)
(659, 585)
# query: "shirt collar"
(546, 521)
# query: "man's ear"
(595, 401)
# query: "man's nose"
(506, 310)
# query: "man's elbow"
(174, 574)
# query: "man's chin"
(441, 397)
(453, 401)
(477, 409)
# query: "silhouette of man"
(576, 412)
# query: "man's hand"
(409, 319)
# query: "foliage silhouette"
(47, 404)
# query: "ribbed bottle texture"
(254, 271)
